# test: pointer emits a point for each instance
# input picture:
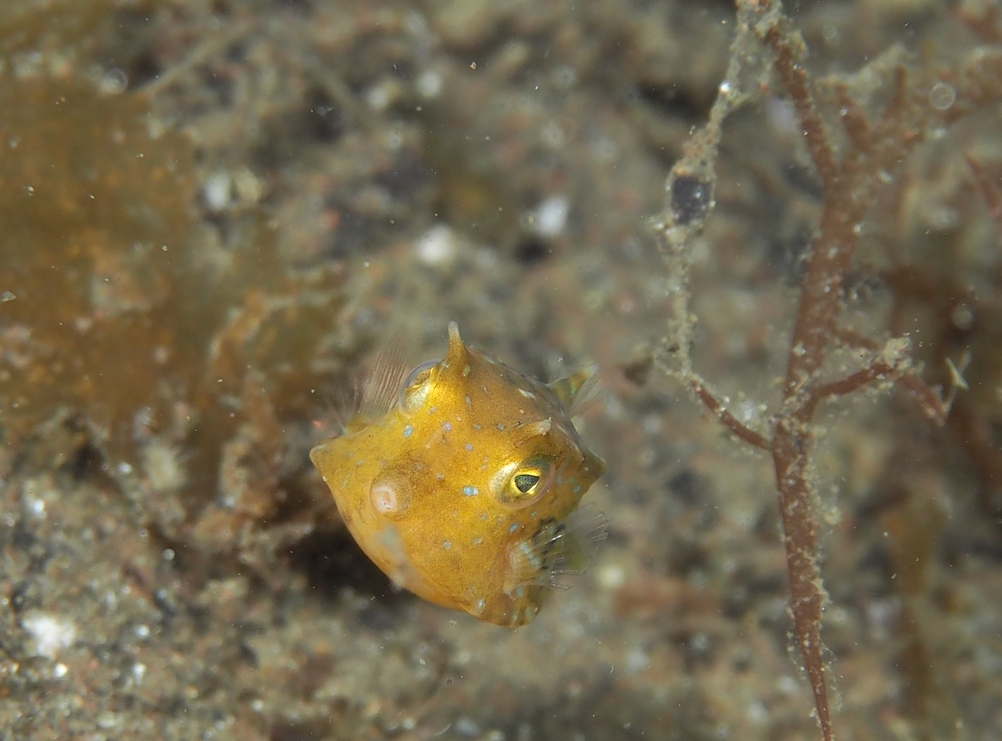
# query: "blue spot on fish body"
(408, 430)
(470, 491)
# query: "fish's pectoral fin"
(573, 543)
(558, 548)
(577, 390)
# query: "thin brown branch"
(798, 84)
(985, 25)
(900, 105)
(800, 539)
(978, 83)
(990, 191)
(728, 420)
(875, 148)
(820, 297)
(841, 387)
(854, 121)
(928, 398)
(975, 433)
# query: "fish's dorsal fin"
(577, 390)
(382, 385)
(459, 354)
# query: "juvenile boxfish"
(461, 480)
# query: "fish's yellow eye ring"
(519, 484)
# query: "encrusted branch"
(850, 181)
(790, 50)
(717, 408)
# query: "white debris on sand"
(50, 632)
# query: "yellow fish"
(461, 481)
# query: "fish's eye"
(411, 396)
(521, 484)
(525, 482)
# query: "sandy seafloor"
(495, 163)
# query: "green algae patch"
(27, 25)
(93, 229)
(183, 363)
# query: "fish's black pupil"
(525, 481)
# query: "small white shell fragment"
(437, 246)
(550, 217)
(50, 633)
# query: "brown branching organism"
(851, 177)
(989, 191)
